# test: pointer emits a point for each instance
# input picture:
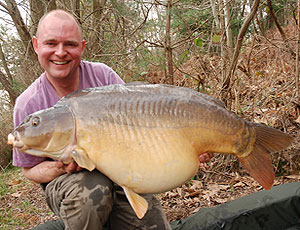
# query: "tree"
(226, 86)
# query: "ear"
(82, 45)
(35, 43)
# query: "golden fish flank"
(145, 137)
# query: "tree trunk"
(227, 17)
(50, 5)
(226, 87)
(297, 53)
(96, 31)
(215, 13)
(37, 8)
(7, 80)
(21, 28)
(284, 38)
(223, 40)
(168, 45)
(76, 9)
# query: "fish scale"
(142, 108)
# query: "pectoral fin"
(138, 203)
(82, 159)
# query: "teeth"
(60, 62)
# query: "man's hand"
(204, 158)
(46, 171)
(72, 167)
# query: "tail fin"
(258, 162)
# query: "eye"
(35, 121)
(50, 43)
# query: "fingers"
(204, 158)
(59, 164)
(72, 167)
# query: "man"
(82, 199)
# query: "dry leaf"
(239, 184)
(16, 194)
(297, 177)
(194, 193)
(196, 184)
(14, 182)
(179, 191)
(196, 210)
(298, 120)
(220, 200)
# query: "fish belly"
(147, 160)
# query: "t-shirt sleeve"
(21, 159)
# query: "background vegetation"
(245, 53)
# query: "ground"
(22, 203)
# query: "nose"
(60, 50)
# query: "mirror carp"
(146, 137)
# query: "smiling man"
(82, 199)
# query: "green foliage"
(216, 38)
(198, 42)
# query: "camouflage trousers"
(89, 200)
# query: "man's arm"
(46, 171)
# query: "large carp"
(146, 138)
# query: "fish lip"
(10, 139)
(15, 140)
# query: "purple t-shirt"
(41, 95)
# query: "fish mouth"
(14, 140)
(10, 139)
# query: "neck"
(65, 86)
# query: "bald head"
(60, 14)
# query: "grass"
(22, 204)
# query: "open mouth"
(60, 62)
(15, 141)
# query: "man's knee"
(80, 197)
(93, 193)
(123, 216)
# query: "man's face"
(59, 47)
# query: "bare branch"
(227, 81)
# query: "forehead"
(58, 28)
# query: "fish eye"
(35, 121)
